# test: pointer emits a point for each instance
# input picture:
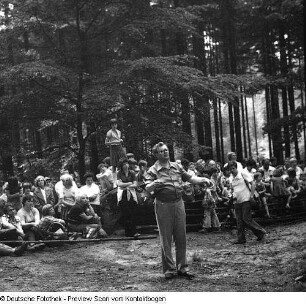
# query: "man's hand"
(157, 183)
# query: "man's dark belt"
(169, 201)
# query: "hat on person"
(113, 121)
(47, 178)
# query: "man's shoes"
(186, 275)
(203, 231)
(239, 242)
(21, 249)
(169, 276)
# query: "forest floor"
(135, 265)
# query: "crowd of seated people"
(281, 181)
(47, 210)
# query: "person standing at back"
(114, 141)
(166, 179)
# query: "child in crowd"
(211, 198)
(261, 190)
(105, 178)
(142, 195)
(191, 169)
(133, 165)
(293, 185)
(27, 189)
(303, 181)
(51, 227)
(140, 177)
(227, 193)
(279, 186)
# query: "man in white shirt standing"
(244, 195)
(92, 191)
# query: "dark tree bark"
(38, 144)
(243, 125)
(272, 92)
(8, 164)
(199, 63)
(284, 72)
(248, 127)
(181, 49)
(217, 132)
(226, 11)
(94, 159)
(292, 102)
(221, 131)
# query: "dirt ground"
(135, 265)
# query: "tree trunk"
(38, 144)
(7, 166)
(275, 112)
(284, 72)
(217, 133)
(199, 63)
(248, 127)
(181, 49)
(94, 160)
(221, 131)
(292, 103)
(272, 93)
(268, 110)
(231, 125)
(233, 66)
(243, 125)
(79, 127)
(207, 128)
(276, 138)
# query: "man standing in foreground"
(244, 195)
(166, 179)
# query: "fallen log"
(83, 240)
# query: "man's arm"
(121, 184)
(36, 216)
(252, 189)
(86, 217)
(200, 180)
(107, 141)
